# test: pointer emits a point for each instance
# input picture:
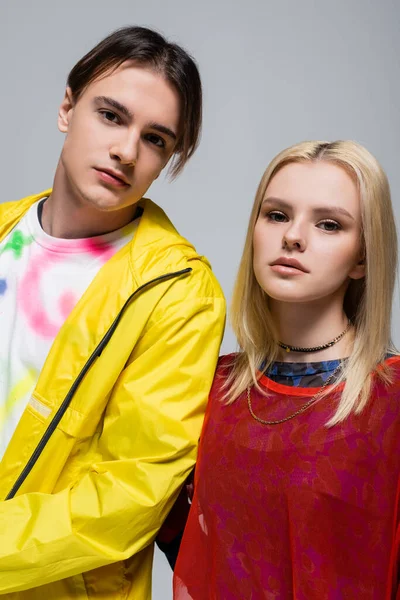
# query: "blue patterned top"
(300, 374)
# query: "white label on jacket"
(41, 408)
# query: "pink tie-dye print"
(29, 296)
(103, 251)
(42, 278)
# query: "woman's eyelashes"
(328, 225)
(277, 216)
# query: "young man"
(110, 330)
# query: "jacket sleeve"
(145, 452)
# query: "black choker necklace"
(289, 348)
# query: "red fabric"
(296, 510)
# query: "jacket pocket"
(77, 424)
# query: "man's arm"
(146, 450)
(170, 534)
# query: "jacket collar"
(154, 241)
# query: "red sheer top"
(297, 510)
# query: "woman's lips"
(288, 265)
(287, 270)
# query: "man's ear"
(65, 111)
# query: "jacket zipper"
(67, 400)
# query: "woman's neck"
(307, 325)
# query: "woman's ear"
(65, 111)
(358, 272)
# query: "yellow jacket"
(111, 430)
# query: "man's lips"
(112, 177)
(288, 265)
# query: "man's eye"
(108, 115)
(329, 225)
(277, 216)
(156, 140)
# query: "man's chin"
(105, 200)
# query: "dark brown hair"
(149, 49)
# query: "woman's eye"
(108, 115)
(277, 216)
(329, 226)
(156, 140)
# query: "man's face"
(120, 135)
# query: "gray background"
(274, 73)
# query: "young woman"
(297, 482)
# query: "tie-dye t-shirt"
(41, 280)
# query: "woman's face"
(307, 238)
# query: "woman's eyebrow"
(318, 211)
(277, 202)
(332, 210)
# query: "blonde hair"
(368, 301)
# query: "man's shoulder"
(158, 246)
(13, 209)
(12, 212)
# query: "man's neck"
(66, 215)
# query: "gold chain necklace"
(298, 412)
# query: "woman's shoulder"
(225, 364)
(392, 357)
(226, 361)
(222, 372)
(387, 378)
(392, 362)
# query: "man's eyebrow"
(111, 102)
(319, 211)
(114, 104)
(163, 129)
